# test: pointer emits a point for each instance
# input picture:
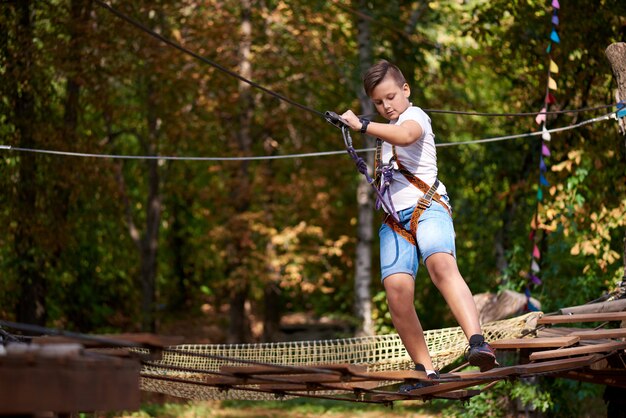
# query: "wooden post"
(616, 53)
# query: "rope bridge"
(184, 370)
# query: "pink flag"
(555, 4)
(536, 252)
(541, 116)
(545, 151)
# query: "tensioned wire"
(304, 155)
(220, 67)
(292, 102)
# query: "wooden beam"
(599, 334)
(427, 392)
(577, 351)
(543, 342)
(591, 317)
(329, 369)
(616, 54)
(601, 377)
(31, 384)
(556, 365)
(611, 306)
(145, 339)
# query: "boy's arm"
(401, 135)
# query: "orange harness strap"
(423, 203)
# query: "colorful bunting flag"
(541, 120)
(555, 37)
(536, 253)
(541, 116)
(535, 267)
(551, 83)
(536, 280)
(553, 67)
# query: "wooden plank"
(495, 374)
(339, 369)
(458, 394)
(590, 317)
(541, 342)
(556, 365)
(599, 334)
(611, 306)
(600, 377)
(31, 384)
(287, 378)
(577, 351)
(108, 340)
(393, 375)
(313, 387)
(429, 391)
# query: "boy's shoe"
(408, 387)
(480, 354)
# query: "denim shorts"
(435, 234)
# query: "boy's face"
(390, 99)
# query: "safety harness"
(384, 175)
(383, 178)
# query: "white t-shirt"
(420, 158)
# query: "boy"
(424, 229)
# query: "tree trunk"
(616, 53)
(31, 306)
(239, 329)
(150, 239)
(365, 228)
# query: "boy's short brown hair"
(378, 72)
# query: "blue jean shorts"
(435, 234)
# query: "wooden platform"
(66, 380)
(66, 377)
(566, 352)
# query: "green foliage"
(79, 79)
(502, 400)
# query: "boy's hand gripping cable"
(360, 163)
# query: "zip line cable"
(287, 100)
(214, 64)
(220, 67)
(608, 116)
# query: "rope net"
(377, 353)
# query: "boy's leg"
(445, 275)
(400, 288)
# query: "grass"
(293, 408)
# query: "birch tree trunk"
(616, 53)
(239, 325)
(365, 229)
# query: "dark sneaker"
(481, 355)
(409, 387)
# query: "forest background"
(111, 244)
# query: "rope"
(288, 156)
(530, 134)
(220, 67)
(181, 48)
